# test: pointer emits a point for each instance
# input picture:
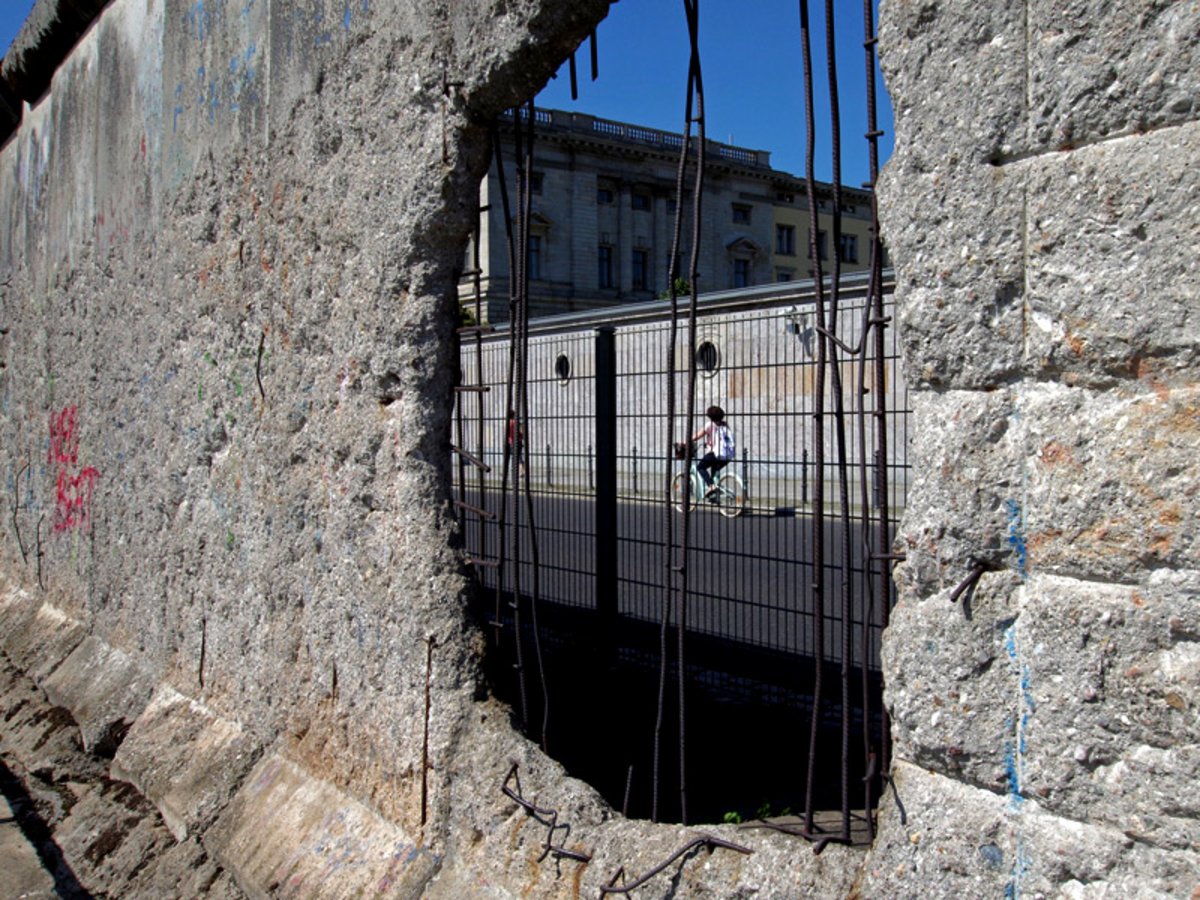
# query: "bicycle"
(728, 494)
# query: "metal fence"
(753, 582)
(593, 450)
(675, 659)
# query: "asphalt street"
(750, 579)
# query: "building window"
(605, 194)
(782, 275)
(640, 201)
(785, 240)
(641, 261)
(671, 205)
(536, 182)
(848, 248)
(785, 197)
(535, 257)
(605, 273)
(741, 214)
(741, 273)
(708, 359)
(822, 246)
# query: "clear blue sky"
(750, 54)
(753, 77)
(12, 16)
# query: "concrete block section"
(186, 759)
(1054, 480)
(951, 703)
(290, 834)
(937, 55)
(1111, 479)
(966, 489)
(1114, 256)
(957, 240)
(951, 840)
(1098, 68)
(105, 690)
(1102, 729)
(38, 643)
(1107, 727)
(17, 609)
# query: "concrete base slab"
(17, 608)
(38, 643)
(956, 840)
(290, 834)
(104, 689)
(186, 759)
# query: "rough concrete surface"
(229, 276)
(1045, 724)
(229, 235)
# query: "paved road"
(750, 578)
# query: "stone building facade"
(604, 211)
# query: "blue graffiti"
(1016, 537)
(1016, 749)
(243, 73)
(1012, 890)
(198, 21)
(1014, 755)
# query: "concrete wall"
(227, 241)
(765, 380)
(1041, 209)
(237, 657)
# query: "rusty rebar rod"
(707, 841)
(547, 817)
(17, 510)
(977, 570)
(430, 643)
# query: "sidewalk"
(21, 873)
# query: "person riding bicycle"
(719, 447)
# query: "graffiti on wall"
(73, 486)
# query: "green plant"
(683, 288)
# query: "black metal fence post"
(635, 472)
(606, 479)
(804, 477)
(746, 472)
(549, 480)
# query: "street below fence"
(750, 579)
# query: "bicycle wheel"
(681, 488)
(731, 495)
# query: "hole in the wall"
(562, 368)
(708, 358)
(748, 706)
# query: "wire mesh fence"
(753, 574)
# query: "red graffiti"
(73, 491)
(74, 499)
(64, 438)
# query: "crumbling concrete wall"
(1043, 210)
(227, 242)
(229, 239)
